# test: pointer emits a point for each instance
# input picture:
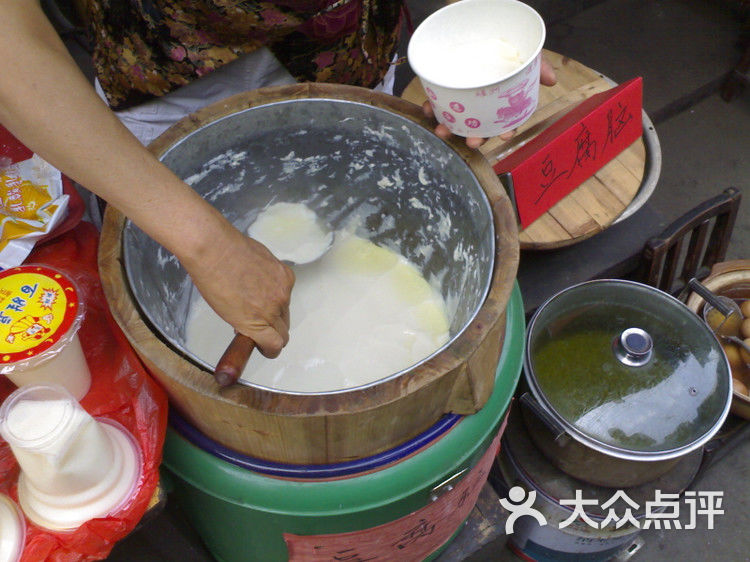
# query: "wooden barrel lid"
(599, 201)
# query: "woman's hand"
(547, 77)
(246, 285)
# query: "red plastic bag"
(121, 389)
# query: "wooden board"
(596, 203)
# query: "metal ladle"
(233, 361)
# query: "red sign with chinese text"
(573, 149)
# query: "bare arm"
(50, 106)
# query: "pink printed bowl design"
(473, 109)
(503, 106)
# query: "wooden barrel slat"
(620, 182)
(598, 202)
(573, 217)
(537, 232)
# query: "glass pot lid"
(627, 369)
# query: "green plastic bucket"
(409, 510)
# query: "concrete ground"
(684, 50)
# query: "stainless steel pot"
(624, 380)
(405, 189)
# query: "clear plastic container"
(12, 530)
(40, 315)
(73, 467)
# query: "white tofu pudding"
(358, 314)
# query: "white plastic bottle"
(73, 467)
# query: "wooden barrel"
(328, 427)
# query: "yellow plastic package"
(32, 203)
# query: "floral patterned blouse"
(146, 48)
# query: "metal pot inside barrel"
(624, 381)
(406, 189)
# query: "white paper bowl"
(457, 53)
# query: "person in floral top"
(151, 47)
(157, 61)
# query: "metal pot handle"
(710, 297)
(541, 413)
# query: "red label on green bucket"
(413, 537)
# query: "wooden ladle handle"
(233, 361)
